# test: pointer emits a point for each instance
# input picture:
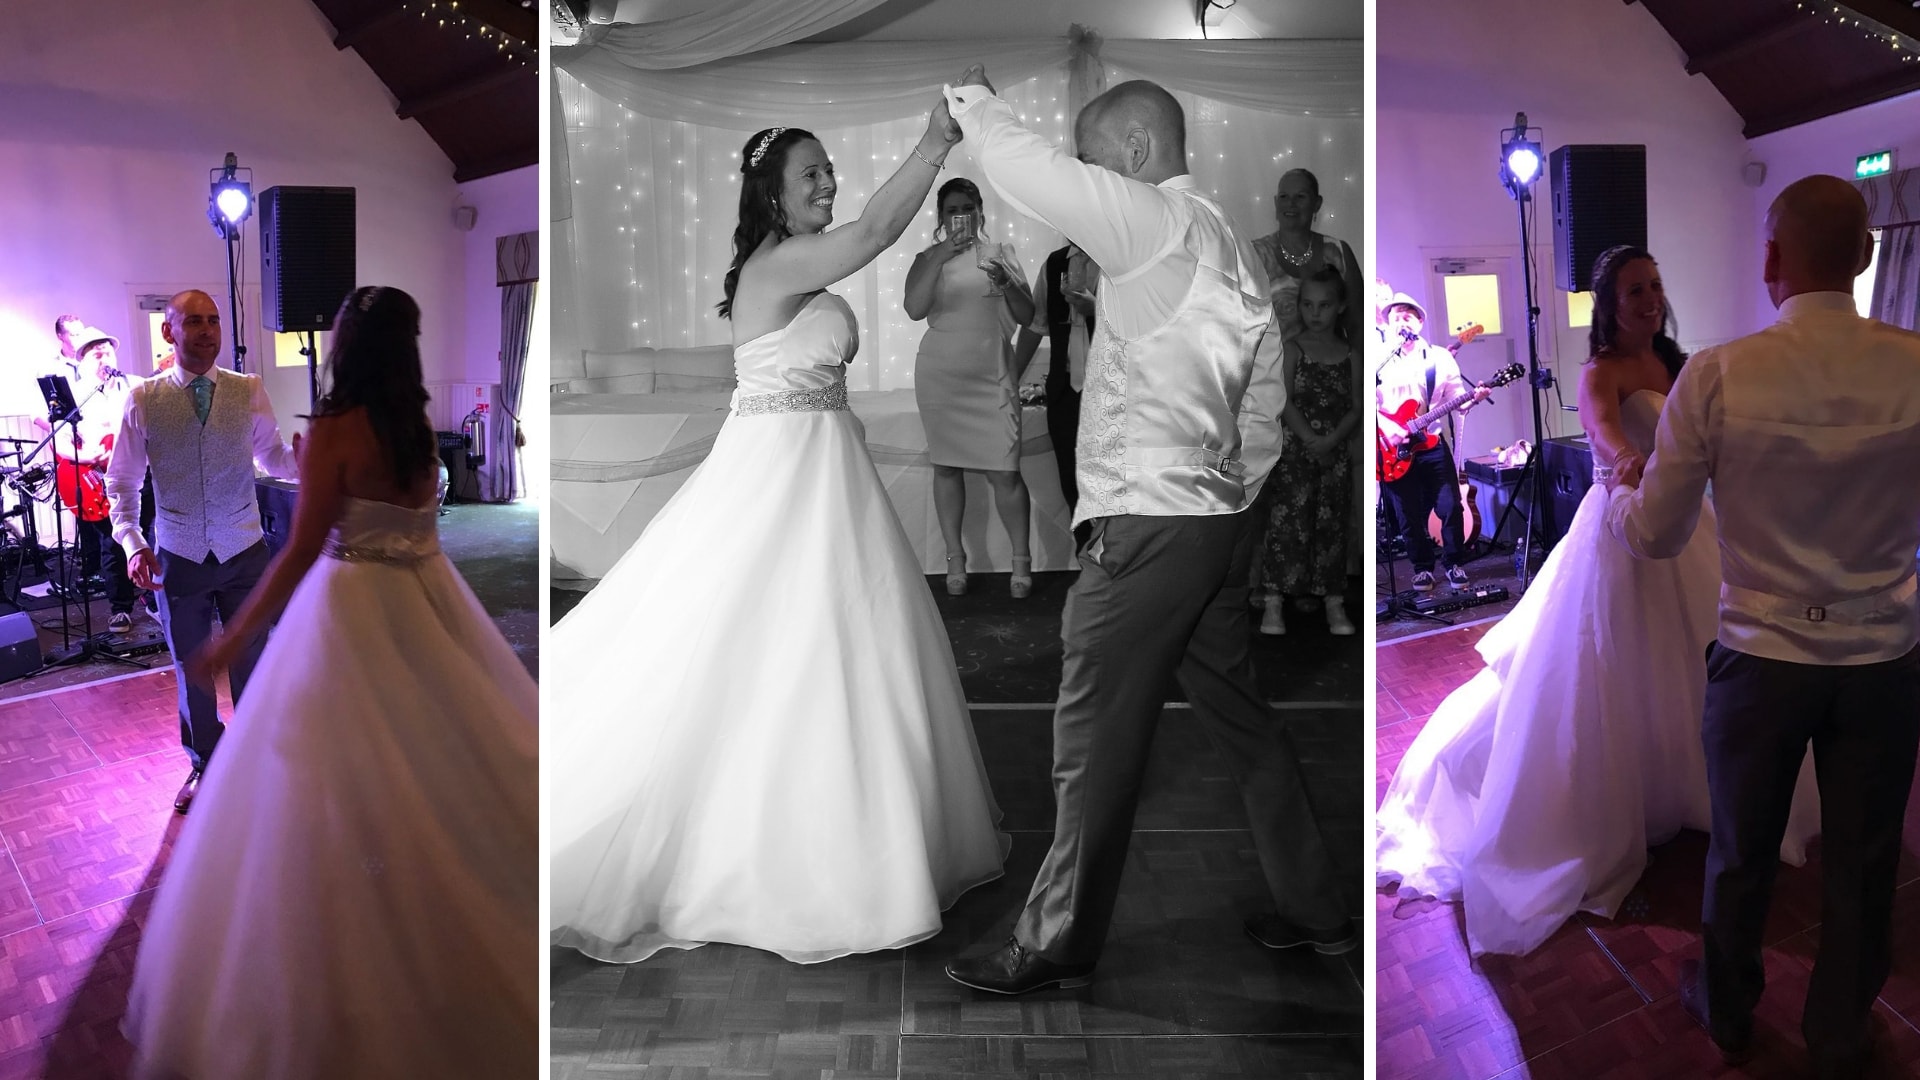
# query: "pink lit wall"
(112, 123)
(1452, 75)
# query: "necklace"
(1293, 260)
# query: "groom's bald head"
(1817, 239)
(1136, 129)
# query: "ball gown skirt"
(755, 729)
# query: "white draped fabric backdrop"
(650, 158)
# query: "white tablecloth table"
(618, 458)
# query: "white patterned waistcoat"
(203, 488)
(1159, 431)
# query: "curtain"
(504, 435)
(654, 194)
(1896, 288)
(713, 31)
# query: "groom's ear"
(1770, 267)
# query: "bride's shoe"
(957, 576)
(1022, 583)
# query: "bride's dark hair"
(1606, 309)
(373, 363)
(763, 163)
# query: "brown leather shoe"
(1014, 969)
(187, 791)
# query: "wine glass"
(988, 255)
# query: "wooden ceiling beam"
(1865, 92)
(518, 158)
(1747, 44)
(348, 37)
(460, 89)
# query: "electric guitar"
(82, 488)
(1395, 461)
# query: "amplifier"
(19, 646)
(276, 498)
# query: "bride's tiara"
(760, 150)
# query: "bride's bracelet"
(936, 165)
(1602, 473)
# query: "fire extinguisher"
(473, 432)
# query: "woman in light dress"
(963, 377)
(756, 715)
(353, 893)
(1535, 789)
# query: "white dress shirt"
(1136, 234)
(128, 469)
(1808, 432)
(1402, 375)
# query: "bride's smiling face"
(807, 188)
(1642, 305)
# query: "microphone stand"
(90, 646)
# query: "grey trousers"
(1863, 723)
(1160, 598)
(191, 594)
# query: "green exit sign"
(1879, 163)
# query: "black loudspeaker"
(19, 646)
(306, 256)
(276, 499)
(1599, 201)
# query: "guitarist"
(1416, 371)
(101, 390)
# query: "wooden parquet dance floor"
(1180, 992)
(1599, 999)
(87, 780)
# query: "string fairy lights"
(447, 15)
(1837, 15)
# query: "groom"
(1806, 432)
(1179, 427)
(203, 429)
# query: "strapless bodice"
(809, 353)
(1640, 418)
(374, 531)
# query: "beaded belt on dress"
(816, 399)
(334, 549)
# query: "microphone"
(1407, 334)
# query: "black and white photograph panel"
(957, 666)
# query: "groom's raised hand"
(976, 76)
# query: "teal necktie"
(202, 388)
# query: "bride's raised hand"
(942, 131)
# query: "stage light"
(1519, 157)
(230, 198)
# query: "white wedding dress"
(1535, 789)
(354, 891)
(755, 730)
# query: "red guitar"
(88, 481)
(1395, 461)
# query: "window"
(286, 349)
(1471, 299)
(1579, 310)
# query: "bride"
(755, 718)
(1535, 790)
(353, 892)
